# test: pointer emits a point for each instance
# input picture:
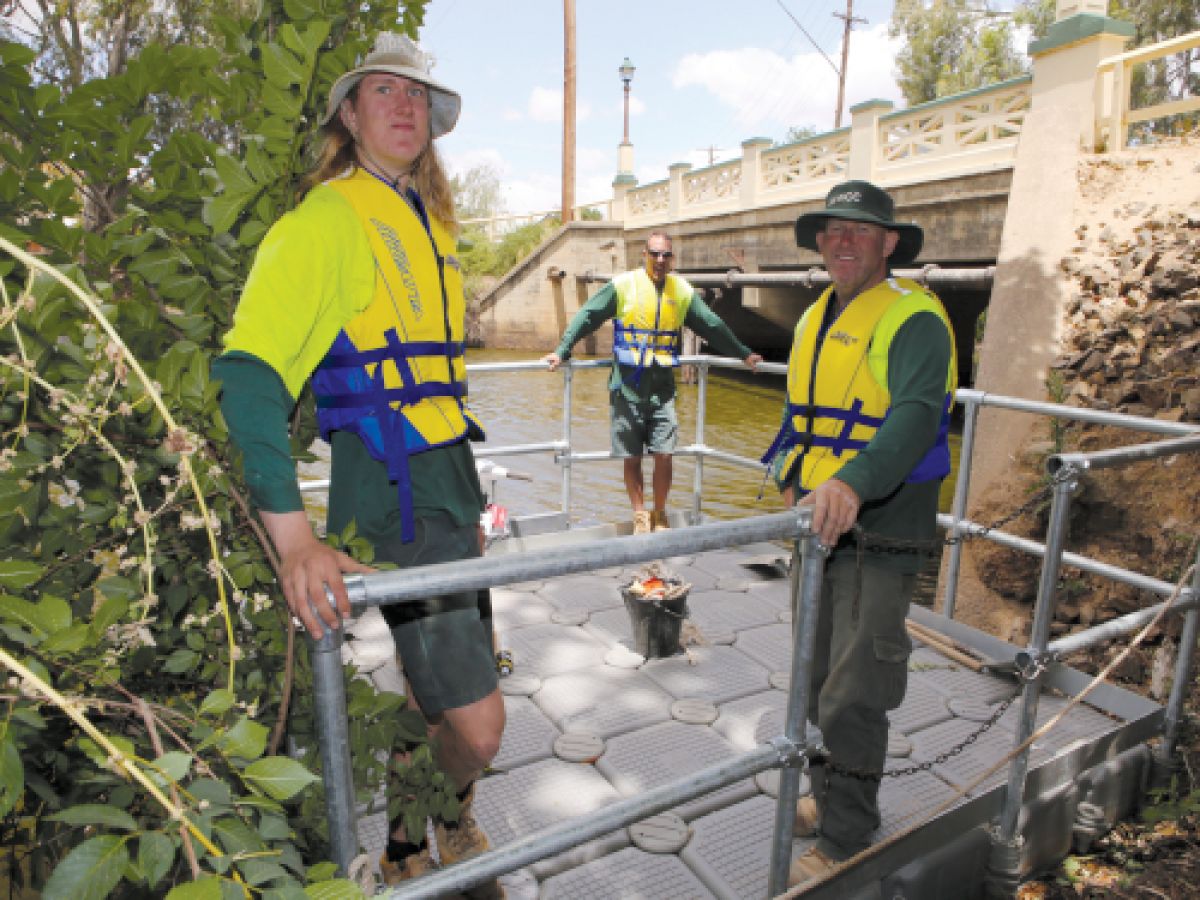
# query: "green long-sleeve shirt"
(918, 358)
(657, 383)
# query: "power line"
(832, 65)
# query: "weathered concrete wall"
(529, 309)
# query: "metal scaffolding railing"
(934, 276)
(788, 750)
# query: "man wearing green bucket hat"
(871, 378)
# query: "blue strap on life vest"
(378, 397)
(788, 437)
(630, 344)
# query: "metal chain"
(894, 546)
(942, 757)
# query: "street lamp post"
(625, 156)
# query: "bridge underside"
(962, 219)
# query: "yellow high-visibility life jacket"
(395, 375)
(837, 395)
(646, 329)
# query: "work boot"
(658, 521)
(411, 866)
(808, 817)
(809, 866)
(641, 521)
(463, 839)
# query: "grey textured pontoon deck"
(576, 677)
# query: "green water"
(525, 407)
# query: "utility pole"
(849, 19)
(568, 159)
(712, 153)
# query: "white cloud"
(770, 93)
(546, 105)
(461, 163)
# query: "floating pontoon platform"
(591, 723)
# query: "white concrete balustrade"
(972, 132)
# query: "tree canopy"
(158, 736)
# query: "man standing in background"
(649, 308)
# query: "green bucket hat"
(861, 201)
(397, 54)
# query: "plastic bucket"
(655, 623)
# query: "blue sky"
(709, 74)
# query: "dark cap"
(861, 201)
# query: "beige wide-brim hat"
(397, 54)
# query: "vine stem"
(120, 760)
(89, 303)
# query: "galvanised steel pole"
(808, 571)
(1004, 864)
(958, 510)
(568, 380)
(1183, 674)
(329, 707)
(698, 472)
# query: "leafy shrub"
(155, 683)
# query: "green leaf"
(217, 702)
(19, 573)
(258, 872)
(95, 814)
(281, 67)
(221, 213)
(119, 587)
(156, 852)
(278, 776)
(337, 889)
(207, 887)
(273, 827)
(246, 739)
(237, 837)
(155, 265)
(12, 774)
(233, 175)
(181, 661)
(47, 616)
(90, 871)
(110, 612)
(174, 765)
(68, 640)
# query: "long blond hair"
(335, 154)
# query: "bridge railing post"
(751, 184)
(866, 142)
(676, 201)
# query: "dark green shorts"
(445, 642)
(638, 427)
